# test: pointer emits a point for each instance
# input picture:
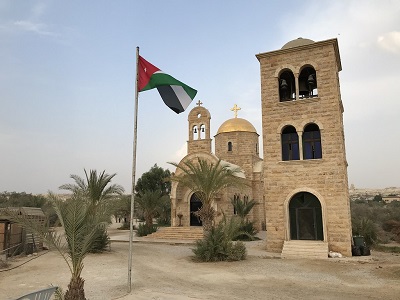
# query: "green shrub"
(366, 228)
(388, 249)
(102, 241)
(237, 251)
(218, 246)
(393, 227)
(247, 232)
(125, 226)
(144, 229)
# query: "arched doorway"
(305, 217)
(195, 205)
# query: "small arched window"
(195, 132)
(229, 146)
(287, 87)
(236, 200)
(308, 83)
(290, 144)
(202, 131)
(312, 148)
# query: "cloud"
(180, 153)
(28, 20)
(390, 42)
(38, 28)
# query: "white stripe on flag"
(183, 97)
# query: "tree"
(97, 189)
(122, 207)
(15, 199)
(80, 228)
(206, 180)
(242, 207)
(151, 202)
(157, 179)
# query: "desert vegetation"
(377, 221)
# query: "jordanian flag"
(175, 94)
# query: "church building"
(300, 181)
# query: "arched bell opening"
(305, 217)
(287, 86)
(195, 132)
(308, 87)
(195, 205)
(202, 132)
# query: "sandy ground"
(165, 271)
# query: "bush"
(217, 246)
(144, 229)
(237, 251)
(102, 241)
(381, 215)
(393, 227)
(366, 228)
(247, 232)
(125, 226)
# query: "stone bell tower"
(199, 130)
(305, 167)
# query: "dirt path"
(163, 271)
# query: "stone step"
(305, 249)
(178, 233)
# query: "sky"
(67, 81)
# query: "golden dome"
(236, 124)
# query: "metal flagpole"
(133, 172)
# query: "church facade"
(300, 185)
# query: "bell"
(284, 85)
(195, 130)
(202, 129)
(311, 80)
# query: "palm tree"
(80, 231)
(150, 202)
(206, 180)
(97, 190)
(95, 187)
(242, 207)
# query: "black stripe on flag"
(170, 98)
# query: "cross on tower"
(199, 103)
(235, 109)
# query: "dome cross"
(235, 109)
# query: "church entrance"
(305, 217)
(195, 205)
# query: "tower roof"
(236, 124)
(297, 42)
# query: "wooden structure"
(14, 239)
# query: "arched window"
(287, 87)
(236, 198)
(195, 132)
(290, 144)
(312, 148)
(308, 83)
(202, 131)
(229, 146)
